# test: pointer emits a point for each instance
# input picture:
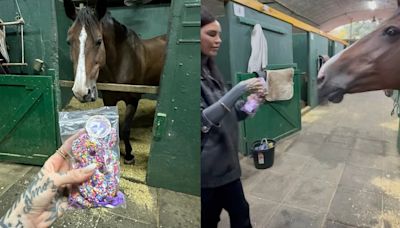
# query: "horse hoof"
(129, 161)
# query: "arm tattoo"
(35, 191)
(55, 208)
(26, 200)
(8, 213)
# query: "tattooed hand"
(43, 202)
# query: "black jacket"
(220, 141)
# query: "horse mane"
(121, 31)
(87, 17)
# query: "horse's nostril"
(320, 79)
(89, 91)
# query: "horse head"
(87, 50)
(369, 64)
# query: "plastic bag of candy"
(98, 145)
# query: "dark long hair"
(207, 18)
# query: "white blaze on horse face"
(81, 84)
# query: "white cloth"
(259, 50)
(3, 46)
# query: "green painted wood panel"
(174, 161)
(300, 56)
(338, 47)
(274, 120)
(318, 46)
(146, 20)
(40, 31)
(235, 50)
(28, 126)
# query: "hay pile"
(389, 218)
(388, 186)
(138, 193)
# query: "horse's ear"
(101, 8)
(70, 9)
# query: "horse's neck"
(118, 35)
(121, 45)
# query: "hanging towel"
(259, 50)
(3, 46)
(280, 84)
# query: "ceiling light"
(372, 5)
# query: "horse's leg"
(131, 106)
(111, 99)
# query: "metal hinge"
(159, 125)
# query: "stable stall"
(275, 119)
(335, 47)
(308, 49)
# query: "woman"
(221, 187)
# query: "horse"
(104, 50)
(371, 63)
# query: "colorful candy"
(101, 190)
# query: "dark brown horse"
(104, 50)
(372, 63)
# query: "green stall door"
(300, 56)
(274, 120)
(27, 119)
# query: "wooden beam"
(118, 87)
(253, 4)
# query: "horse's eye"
(392, 31)
(98, 42)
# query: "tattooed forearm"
(3, 223)
(24, 210)
(35, 191)
(53, 212)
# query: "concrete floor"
(146, 206)
(341, 170)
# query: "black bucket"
(263, 159)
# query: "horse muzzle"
(328, 92)
(90, 96)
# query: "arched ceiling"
(329, 14)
